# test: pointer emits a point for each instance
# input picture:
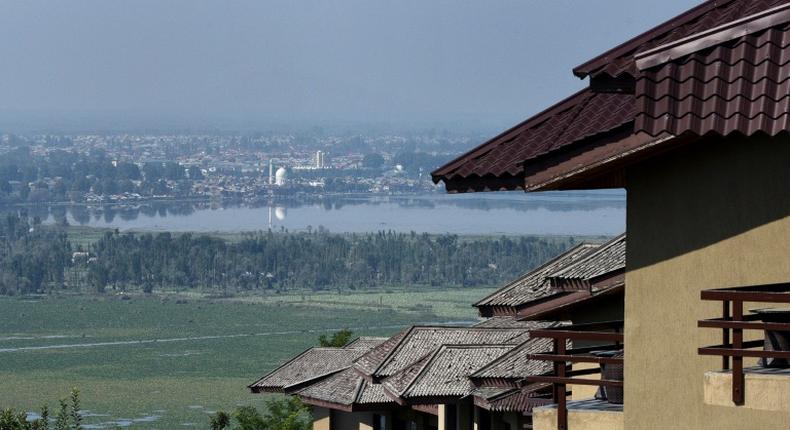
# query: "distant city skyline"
(248, 64)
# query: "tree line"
(68, 176)
(34, 259)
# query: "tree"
(69, 417)
(287, 413)
(219, 421)
(338, 339)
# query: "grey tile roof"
(312, 364)
(533, 285)
(510, 399)
(365, 342)
(512, 322)
(445, 372)
(419, 341)
(609, 257)
(369, 362)
(492, 392)
(345, 388)
(515, 364)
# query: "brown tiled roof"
(345, 389)
(499, 163)
(444, 373)
(726, 82)
(609, 257)
(315, 363)
(420, 341)
(532, 286)
(619, 61)
(731, 77)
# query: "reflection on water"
(498, 213)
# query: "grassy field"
(153, 363)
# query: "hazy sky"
(496, 61)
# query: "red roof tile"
(500, 161)
(619, 60)
(739, 85)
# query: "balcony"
(595, 347)
(764, 383)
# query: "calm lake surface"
(585, 213)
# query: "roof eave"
(600, 166)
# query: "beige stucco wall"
(710, 216)
(580, 392)
(545, 418)
(767, 392)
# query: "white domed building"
(280, 176)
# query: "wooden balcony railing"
(733, 322)
(586, 338)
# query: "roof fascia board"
(572, 299)
(715, 36)
(560, 172)
(325, 404)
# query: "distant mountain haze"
(94, 63)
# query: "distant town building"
(319, 159)
(280, 176)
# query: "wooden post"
(725, 334)
(737, 361)
(560, 390)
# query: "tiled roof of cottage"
(516, 363)
(609, 257)
(511, 399)
(417, 342)
(444, 373)
(308, 366)
(510, 322)
(346, 389)
(532, 286)
(370, 361)
(365, 342)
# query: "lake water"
(585, 213)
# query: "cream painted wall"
(545, 418)
(580, 392)
(711, 215)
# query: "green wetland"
(167, 361)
